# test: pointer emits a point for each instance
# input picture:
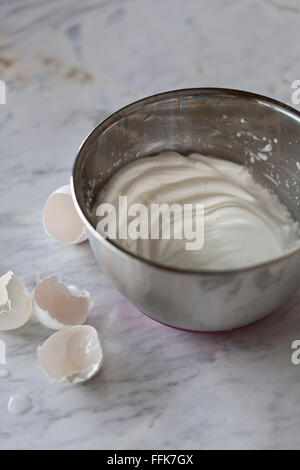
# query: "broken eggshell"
(73, 355)
(15, 302)
(58, 306)
(60, 218)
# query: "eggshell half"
(60, 218)
(58, 306)
(73, 355)
(15, 302)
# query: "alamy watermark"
(295, 357)
(2, 92)
(2, 353)
(295, 97)
(153, 221)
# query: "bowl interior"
(242, 127)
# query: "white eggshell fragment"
(15, 302)
(60, 218)
(73, 355)
(58, 306)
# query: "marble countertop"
(67, 65)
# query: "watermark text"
(2, 353)
(153, 221)
(296, 93)
(2, 92)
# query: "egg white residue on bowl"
(244, 225)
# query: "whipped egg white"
(244, 223)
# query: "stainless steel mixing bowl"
(229, 124)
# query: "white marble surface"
(67, 65)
